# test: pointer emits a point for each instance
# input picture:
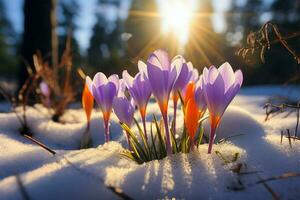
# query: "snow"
(85, 174)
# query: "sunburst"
(180, 24)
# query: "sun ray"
(208, 45)
(139, 13)
(201, 51)
(147, 47)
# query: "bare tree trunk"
(37, 34)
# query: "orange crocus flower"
(87, 102)
(192, 115)
(189, 93)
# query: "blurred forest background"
(112, 35)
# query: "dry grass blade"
(229, 137)
(270, 190)
(283, 176)
(260, 41)
(289, 137)
(119, 193)
(23, 191)
(272, 109)
(40, 144)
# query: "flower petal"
(115, 80)
(100, 79)
(238, 77)
(213, 73)
(142, 68)
(227, 75)
(159, 58)
(127, 78)
(89, 83)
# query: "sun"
(176, 17)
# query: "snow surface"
(85, 174)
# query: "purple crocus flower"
(193, 78)
(104, 90)
(220, 87)
(200, 96)
(161, 77)
(195, 74)
(184, 76)
(123, 106)
(139, 90)
(46, 92)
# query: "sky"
(86, 18)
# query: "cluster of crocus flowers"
(164, 79)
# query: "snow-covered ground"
(27, 171)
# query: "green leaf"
(203, 118)
(153, 142)
(128, 154)
(235, 157)
(134, 142)
(147, 150)
(163, 151)
(173, 139)
(183, 146)
(181, 100)
(201, 132)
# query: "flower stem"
(128, 140)
(88, 125)
(174, 116)
(106, 126)
(211, 137)
(144, 125)
(169, 149)
(192, 144)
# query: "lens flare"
(176, 18)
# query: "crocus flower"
(184, 76)
(195, 74)
(189, 93)
(104, 90)
(87, 104)
(191, 116)
(124, 108)
(186, 91)
(46, 92)
(139, 90)
(161, 77)
(200, 97)
(220, 87)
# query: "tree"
(67, 28)
(37, 33)
(106, 48)
(144, 27)
(7, 45)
